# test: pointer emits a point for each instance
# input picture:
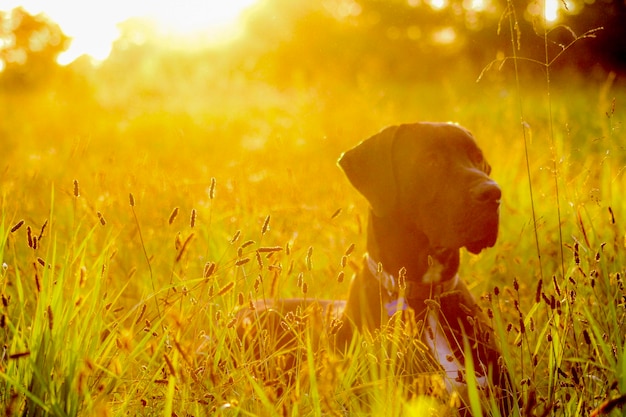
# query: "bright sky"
(92, 23)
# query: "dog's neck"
(423, 264)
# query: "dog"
(429, 194)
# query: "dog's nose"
(486, 192)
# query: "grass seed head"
(131, 199)
(269, 249)
(50, 318)
(538, 292)
(141, 313)
(309, 254)
(170, 364)
(37, 282)
(103, 221)
(29, 235)
(43, 229)
(209, 269)
(212, 189)
(184, 246)
(17, 226)
(242, 261)
(226, 288)
(266, 225)
(247, 243)
(76, 189)
(173, 216)
(192, 220)
(259, 260)
(83, 276)
(402, 279)
(556, 285)
(335, 326)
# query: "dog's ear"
(369, 167)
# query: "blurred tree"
(609, 48)
(404, 40)
(29, 47)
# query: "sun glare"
(438, 4)
(92, 24)
(551, 10)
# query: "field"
(132, 232)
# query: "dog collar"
(413, 289)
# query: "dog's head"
(433, 176)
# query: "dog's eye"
(477, 158)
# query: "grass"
(128, 307)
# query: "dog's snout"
(486, 192)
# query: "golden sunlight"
(92, 25)
(551, 10)
(438, 4)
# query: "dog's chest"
(441, 349)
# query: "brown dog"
(430, 194)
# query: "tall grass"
(130, 307)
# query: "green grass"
(119, 317)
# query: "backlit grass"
(118, 305)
